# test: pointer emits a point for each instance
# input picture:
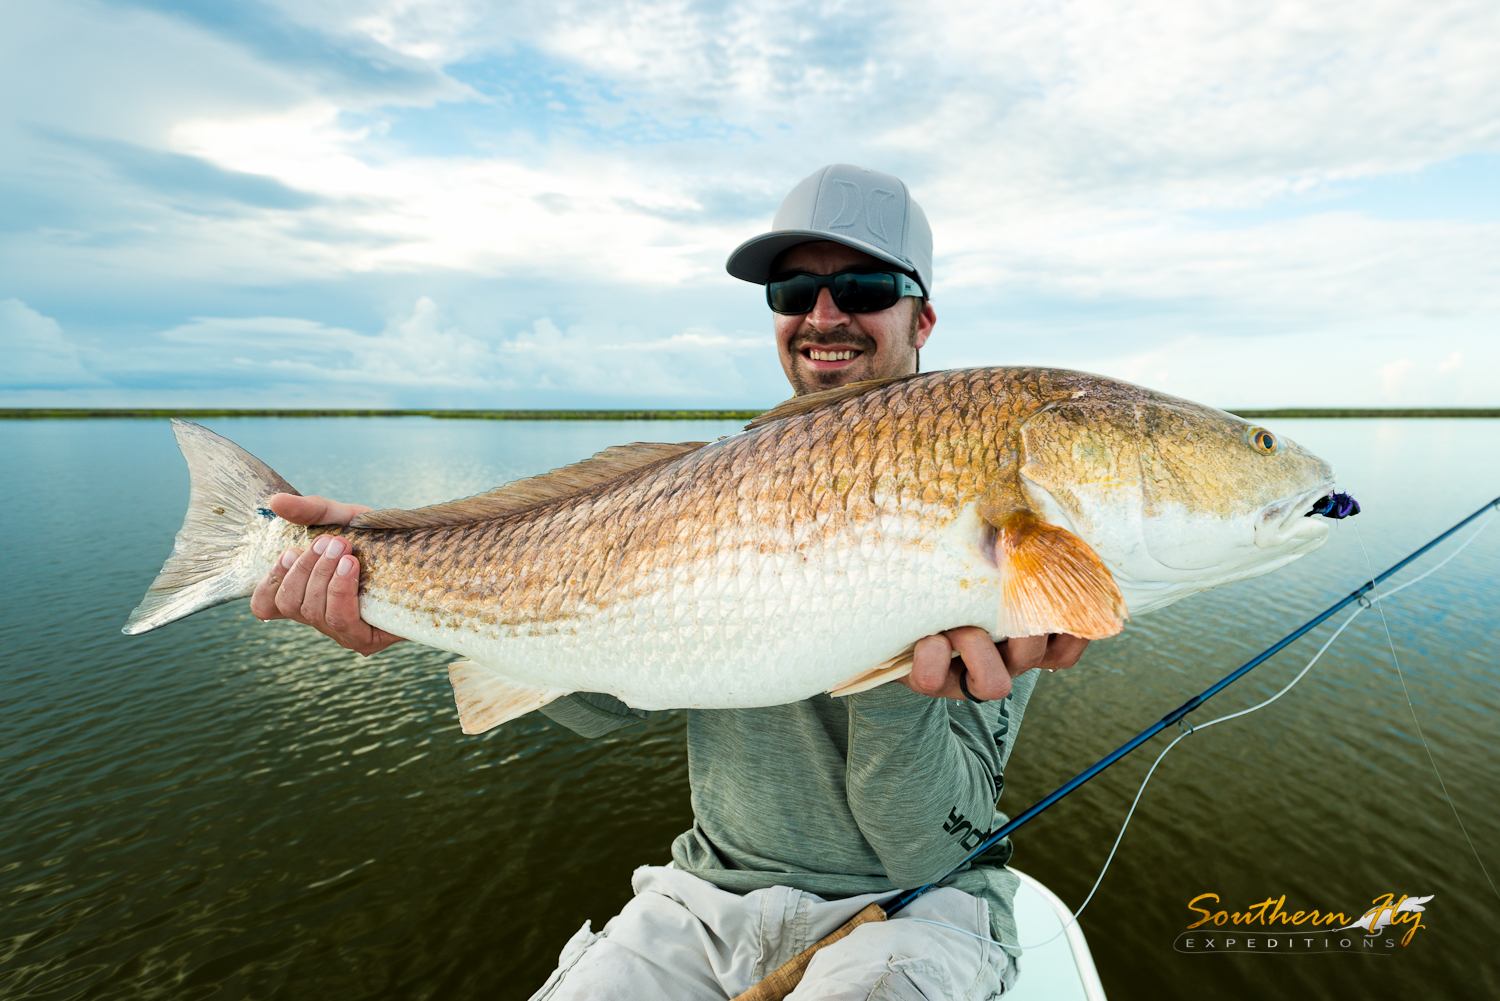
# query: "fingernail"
(334, 549)
(346, 566)
(289, 557)
(320, 545)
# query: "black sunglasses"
(853, 291)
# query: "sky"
(459, 203)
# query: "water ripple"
(227, 808)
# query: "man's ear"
(922, 328)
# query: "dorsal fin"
(611, 464)
(819, 400)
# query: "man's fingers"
(342, 610)
(988, 674)
(1063, 650)
(1022, 653)
(931, 659)
(320, 588)
(263, 601)
(341, 617)
(315, 598)
(343, 621)
(986, 667)
(314, 510)
(294, 584)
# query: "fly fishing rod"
(785, 978)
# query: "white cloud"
(490, 216)
(419, 356)
(1361, 365)
(615, 363)
(90, 68)
(34, 353)
(1394, 376)
(693, 339)
(1096, 159)
(1073, 142)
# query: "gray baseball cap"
(863, 209)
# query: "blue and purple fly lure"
(1335, 505)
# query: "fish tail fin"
(222, 549)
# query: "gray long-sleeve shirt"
(881, 790)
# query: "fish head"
(1173, 496)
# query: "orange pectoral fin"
(1053, 582)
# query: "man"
(803, 813)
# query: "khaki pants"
(684, 938)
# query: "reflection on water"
(230, 809)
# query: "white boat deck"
(1061, 970)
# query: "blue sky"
(467, 204)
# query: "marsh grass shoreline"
(150, 413)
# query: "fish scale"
(813, 548)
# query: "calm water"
(229, 809)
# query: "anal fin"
(486, 698)
(894, 669)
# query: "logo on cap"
(862, 208)
(853, 201)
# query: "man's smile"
(825, 358)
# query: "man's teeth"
(817, 355)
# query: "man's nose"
(825, 313)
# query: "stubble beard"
(805, 380)
(809, 380)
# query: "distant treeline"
(81, 413)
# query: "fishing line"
(1363, 596)
(791, 971)
(1141, 791)
(1369, 601)
(1413, 709)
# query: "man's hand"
(991, 665)
(319, 587)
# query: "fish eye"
(1262, 441)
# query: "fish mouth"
(1287, 520)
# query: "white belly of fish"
(747, 629)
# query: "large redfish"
(805, 554)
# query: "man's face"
(828, 347)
